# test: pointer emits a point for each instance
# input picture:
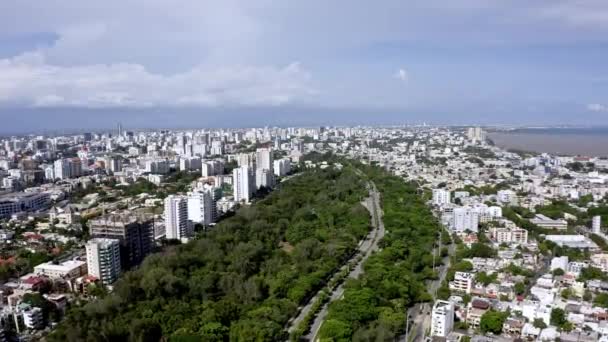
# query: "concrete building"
(463, 282)
(135, 233)
(263, 159)
(202, 207)
(70, 269)
(442, 320)
(509, 235)
(264, 178)
(441, 197)
(281, 167)
(177, 224)
(465, 218)
(13, 203)
(243, 184)
(596, 225)
(33, 318)
(549, 223)
(103, 259)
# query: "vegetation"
(374, 305)
(241, 281)
(492, 321)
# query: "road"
(419, 314)
(366, 248)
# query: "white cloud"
(596, 107)
(31, 81)
(402, 75)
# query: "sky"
(195, 63)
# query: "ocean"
(559, 141)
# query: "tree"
(335, 330)
(539, 323)
(519, 289)
(558, 272)
(587, 296)
(558, 317)
(566, 293)
(492, 321)
(601, 299)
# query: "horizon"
(67, 66)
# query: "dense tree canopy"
(243, 280)
(373, 307)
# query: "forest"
(243, 280)
(374, 306)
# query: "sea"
(559, 141)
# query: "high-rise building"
(442, 321)
(135, 233)
(282, 167)
(243, 183)
(246, 159)
(441, 196)
(264, 178)
(103, 259)
(476, 134)
(465, 218)
(596, 224)
(202, 207)
(177, 224)
(263, 159)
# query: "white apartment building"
(596, 225)
(509, 235)
(282, 167)
(177, 224)
(441, 197)
(264, 178)
(505, 196)
(158, 166)
(442, 320)
(246, 159)
(33, 318)
(243, 184)
(263, 159)
(202, 207)
(463, 282)
(67, 168)
(103, 259)
(465, 218)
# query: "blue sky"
(161, 63)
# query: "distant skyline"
(235, 63)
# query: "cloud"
(596, 107)
(29, 80)
(402, 75)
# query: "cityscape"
(407, 233)
(303, 171)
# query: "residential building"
(202, 207)
(465, 218)
(135, 233)
(442, 320)
(463, 282)
(103, 259)
(243, 184)
(441, 197)
(177, 224)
